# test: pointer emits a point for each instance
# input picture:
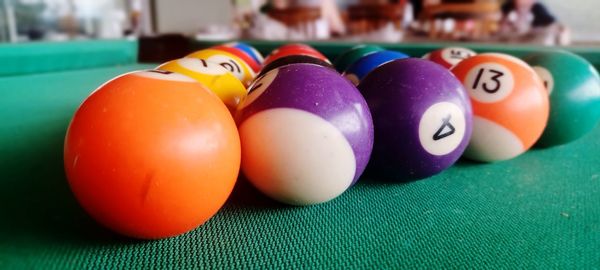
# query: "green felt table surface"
(39, 57)
(540, 210)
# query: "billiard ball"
(232, 63)
(350, 56)
(422, 118)
(574, 88)
(152, 154)
(215, 77)
(449, 57)
(293, 46)
(306, 134)
(357, 71)
(510, 105)
(294, 49)
(255, 66)
(255, 54)
(293, 59)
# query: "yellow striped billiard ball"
(229, 61)
(215, 77)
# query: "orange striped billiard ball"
(510, 105)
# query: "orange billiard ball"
(152, 154)
(510, 105)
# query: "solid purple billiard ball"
(306, 134)
(422, 117)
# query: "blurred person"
(410, 12)
(417, 6)
(264, 26)
(431, 2)
(523, 15)
(530, 20)
(331, 13)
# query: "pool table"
(540, 210)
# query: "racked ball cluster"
(153, 154)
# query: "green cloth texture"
(538, 211)
(38, 57)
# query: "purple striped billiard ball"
(422, 117)
(306, 134)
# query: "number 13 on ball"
(510, 105)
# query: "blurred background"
(547, 22)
